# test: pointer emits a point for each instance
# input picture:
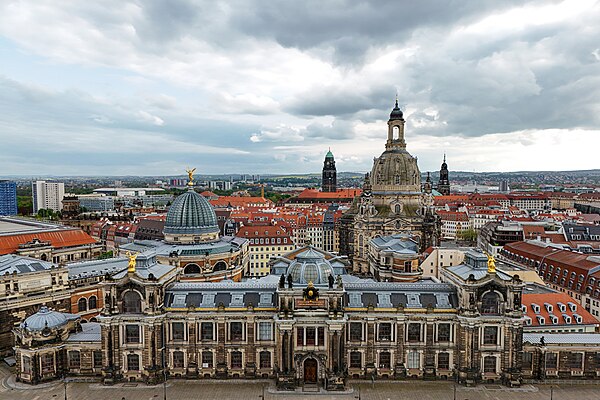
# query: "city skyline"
(146, 88)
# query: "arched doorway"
(310, 370)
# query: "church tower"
(444, 182)
(329, 183)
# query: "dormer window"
(541, 320)
(535, 308)
(524, 308)
(562, 307)
(578, 318)
(567, 318)
(528, 321)
(572, 306)
(549, 307)
(554, 319)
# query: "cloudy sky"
(150, 86)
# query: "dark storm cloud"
(351, 28)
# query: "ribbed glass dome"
(191, 214)
(310, 266)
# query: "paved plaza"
(184, 390)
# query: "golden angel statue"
(190, 173)
(491, 263)
(132, 257)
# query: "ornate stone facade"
(392, 201)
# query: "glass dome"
(310, 266)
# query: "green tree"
(468, 235)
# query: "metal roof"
(562, 338)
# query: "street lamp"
(262, 396)
(358, 397)
(65, 386)
(551, 392)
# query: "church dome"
(396, 167)
(310, 266)
(45, 318)
(396, 113)
(190, 214)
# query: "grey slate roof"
(224, 245)
(90, 332)
(11, 263)
(562, 338)
(399, 243)
(258, 292)
(97, 268)
(422, 294)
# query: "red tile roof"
(553, 299)
(58, 239)
(339, 194)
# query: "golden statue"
(491, 263)
(132, 257)
(190, 173)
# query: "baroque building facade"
(392, 201)
(308, 322)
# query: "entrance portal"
(310, 370)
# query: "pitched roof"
(552, 299)
(58, 239)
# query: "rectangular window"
(132, 334)
(355, 331)
(265, 331)
(97, 358)
(321, 336)
(207, 359)
(74, 359)
(47, 363)
(414, 359)
(206, 331)
(236, 359)
(178, 330)
(414, 333)
(489, 364)
(265, 359)
(310, 336)
(490, 335)
(443, 333)
(26, 365)
(385, 359)
(236, 331)
(300, 336)
(527, 360)
(385, 332)
(133, 362)
(575, 361)
(444, 360)
(355, 359)
(178, 359)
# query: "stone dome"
(191, 214)
(396, 167)
(46, 318)
(310, 266)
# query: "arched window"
(92, 302)
(397, 208)
(490, 303)
(220, 266)
(82, 305)
(132, 302)
(191, 269)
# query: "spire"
(444, 156)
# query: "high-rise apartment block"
(47, 195)
(8, 198)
